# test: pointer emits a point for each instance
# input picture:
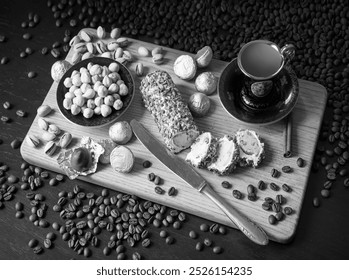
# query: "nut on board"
(122, 159)
(204, 56)
(185, 67)
(206, 83)
(120, 132)
(199, 104)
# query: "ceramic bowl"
(96, 120)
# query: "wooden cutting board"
(307, 117)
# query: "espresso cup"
(261, 61)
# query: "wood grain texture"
(307, 118)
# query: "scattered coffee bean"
(151, 176)
(266, 206)
(44, 51)
(163, 234)
(159, 190)
(274, 186)
(251, 189)
(146, 164)
(199, 246)
(272, 219)
(325, 193)
(19, 214)
(5, 119)
(280, 199)
(300, 162)
(217, 249)
(31, 74)
(27, 36)
(32, 243)
(252, 196)
(261, 185)
(47, 243)
(6, 105)
(193, 234)
(286, 169)
(19, 206)
(12, 179)
(136, 256)
(288, 210)
(21, 113)
(169, 240)
(157, 180)
(172, 191)
(177, 225)
(16, 143)
(346, 182)
(237, 194)
(226, 185)
(286, 188)
(316, 202)
(38, 250)
(204, 227)
(207, 242)
(328, 185)
(275, 173)
(4, 60)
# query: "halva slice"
(251, 149)
(171, 114)
(227, 156)
(203, 150)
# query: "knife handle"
(249, 228)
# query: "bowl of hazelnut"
(95, 92)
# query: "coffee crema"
(261, 60)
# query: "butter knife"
(195, 180)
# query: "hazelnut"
(185, 67)
(120, 132)
(114, 67)
(206, 83)
(199, 104)
(122, 159)
(113, 88)
(118, 104)
(123, 90)
(105, 110)
(81, 159)
(58, 69)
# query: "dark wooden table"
(323, 233)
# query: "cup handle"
(288, 51)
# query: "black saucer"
(239, 102)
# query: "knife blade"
(195, 180)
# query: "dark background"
(320, 31)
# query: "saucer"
(231, 86)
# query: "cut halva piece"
(251, 149)
(227, 156)
(203, 150)
(172, 116)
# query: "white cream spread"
(250, 147)
(200, 149)
(226, 155)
